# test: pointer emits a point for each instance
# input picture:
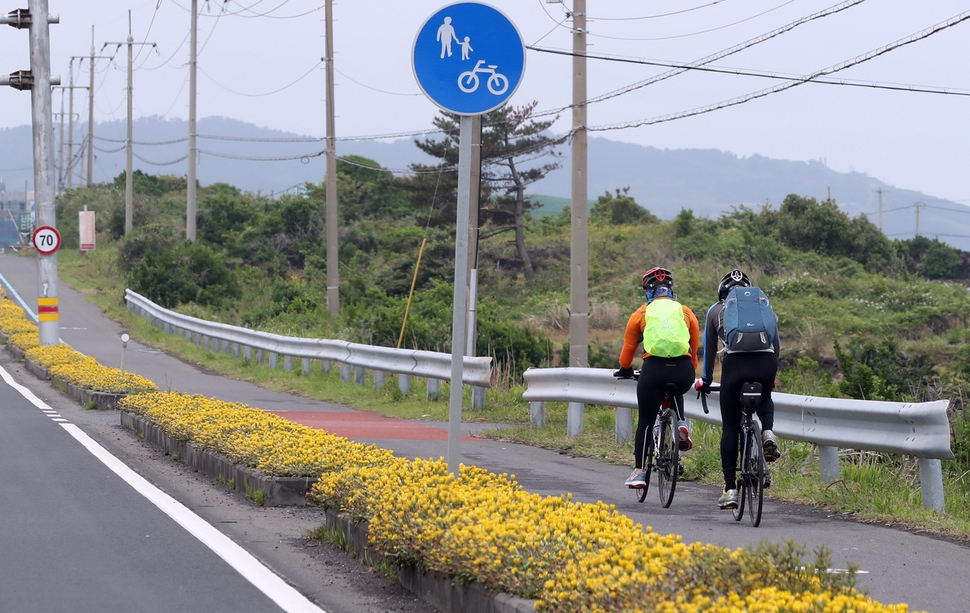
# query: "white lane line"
(265, 580)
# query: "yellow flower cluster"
(250, 436)
(88, 373)
(49, 355)
(64, 362)
(568, 556)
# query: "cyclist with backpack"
(669, 334)
(742, 320)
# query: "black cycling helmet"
(656, 277)
(733, 279)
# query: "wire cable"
(181, 159)
(276, 91)
(935, 29)
(728, 25)
(837, 8)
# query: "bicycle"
(666, 443)
(497, 84)
(753, 476)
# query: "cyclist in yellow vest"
(669, 334)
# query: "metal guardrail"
(476, 371)
(919, 429)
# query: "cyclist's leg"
(765, 369)
(730, 404)
(649, 397)
(680, 372)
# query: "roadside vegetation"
(861, 316)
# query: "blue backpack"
(749, 322)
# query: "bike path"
(925, 572)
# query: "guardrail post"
(478, 397)
(574, 418)
(287, 363)
(273, 359)
(305, 366)
(623, 432)
(931, 483)
(378, 379)
(259, 356)
(247, 353)
(404, 384)
(325, 366)
(537, 414)
(360, 375)
(432, 389)
(224, 346)
(828, 462)
(235, 351)
(345, 372)
(204, 341)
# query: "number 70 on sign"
(47, 240)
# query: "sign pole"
(459, 312)
(43, 135)
(468, 58)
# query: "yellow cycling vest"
(665, 332)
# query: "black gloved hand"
(623, 373)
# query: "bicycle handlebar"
(702, 393)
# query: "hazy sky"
(259, 61)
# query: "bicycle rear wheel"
(668, 459)
(756, 478)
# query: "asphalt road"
(897, 566)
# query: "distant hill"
(663, 180)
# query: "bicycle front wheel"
(668, 459)
(756, 478)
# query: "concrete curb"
(277, 491)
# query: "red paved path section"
(367, 425)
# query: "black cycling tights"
(654, 374)
(736, 370)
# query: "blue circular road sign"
(468, 58)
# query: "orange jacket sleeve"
(633, 337)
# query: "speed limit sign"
(47, 240)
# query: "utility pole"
(129, 181)
(579, 247)
(918, 205)
(38, 81)
(70, 124)
(190, 188)
(879, 191)
(91, 113)
(67, 169)
(333, 265)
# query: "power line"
(925, 89)
(285, 87)
(727, 25)
(805, 79)
(719, 55)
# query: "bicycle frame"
(752, 472)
